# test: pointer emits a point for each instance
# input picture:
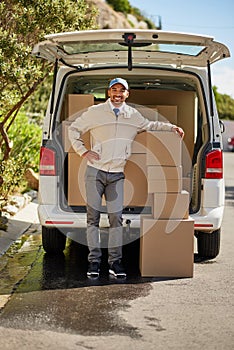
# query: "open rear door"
(115, 46)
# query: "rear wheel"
(208, 244)
(53, 240)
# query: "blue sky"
(209, 17)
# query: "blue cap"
(118, 81)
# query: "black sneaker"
(93, 269)
(116, 269)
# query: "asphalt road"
(48, 303)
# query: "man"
(113, 125)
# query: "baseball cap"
(119, 81)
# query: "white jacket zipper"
(116, 124)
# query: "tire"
(53, 241)
(208, 244)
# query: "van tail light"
(214, 165)
(47, 162)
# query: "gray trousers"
(99, 183)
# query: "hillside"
(109, 19)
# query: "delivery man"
(113, 126)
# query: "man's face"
(118, 94)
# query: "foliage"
(125, 7)
(23, 23)
(120, 5)
(225, 105)
(26, 136)
(37, 103)
(11, 173)
(141, 17)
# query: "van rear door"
(95, 47)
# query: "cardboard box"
(139, 143)
(166, 248)
(149, 112)
(163, 148)
(76, 180)
(162, 186)
(165, 113)
(163, 179)
(157, 172)
(145, 97)
(77, 102)
(186, 102)
(171, 205)
(65, 138)
(76, 185)
(135, 184)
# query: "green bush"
(11, 177)
(36, 104)
(26, 137)
(225, 105)
(120, 5)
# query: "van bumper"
(208, 219)
(52, 216)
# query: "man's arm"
(147, 125)
(81, 125)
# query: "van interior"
(164, 96)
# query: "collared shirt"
(121, 108)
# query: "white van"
(169, 76)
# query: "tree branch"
(7, 142)
(14, 111)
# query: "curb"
(18, 202)
(25, 216)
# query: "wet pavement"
(52, 292)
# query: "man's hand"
(91, 156)
(178, 130)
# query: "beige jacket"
(111, 136)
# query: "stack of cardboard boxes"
(166, 244)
